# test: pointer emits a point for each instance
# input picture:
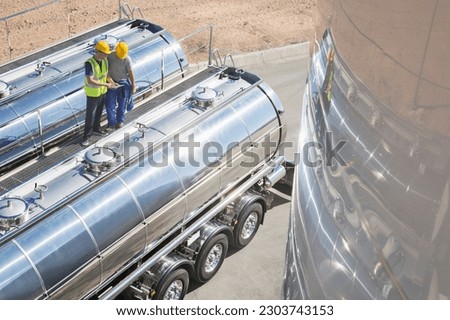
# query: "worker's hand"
(133, 88)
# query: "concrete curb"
(294, 51)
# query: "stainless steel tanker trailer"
(42, 101)
(152, 205)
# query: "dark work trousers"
(94, 109)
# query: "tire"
(173, 286)
(248, 225)
(211, 257)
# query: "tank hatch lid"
(99, 155)
(100, 158)
(3, 86)
(4, 89)
(204, 97)
(12, 212)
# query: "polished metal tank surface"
(94, 214)
(370, 203)
(41, 96)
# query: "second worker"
(119, 100)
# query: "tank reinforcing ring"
(13, 212)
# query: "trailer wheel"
(173, 286)
(210, 257)
(247, 226)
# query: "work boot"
(85, 142)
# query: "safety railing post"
(210, 46)
(162, 69)
(8, 39)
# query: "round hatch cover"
(100, 155)
(204, 96)
(12, 211)
(3, 86)
(4, 89)
(100, 158)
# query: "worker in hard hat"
(120, 100)
(96, 83)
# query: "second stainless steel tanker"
(41, 95)
(154, 202)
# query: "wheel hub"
(174, 291)
(249, 225)
(214, 257)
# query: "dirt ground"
(238, 26)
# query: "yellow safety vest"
(100, 75)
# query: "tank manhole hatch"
(13, 211)
(204, 97)
(100, 159)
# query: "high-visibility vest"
(99, 74)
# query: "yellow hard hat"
(103, 47)
(121, 50)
